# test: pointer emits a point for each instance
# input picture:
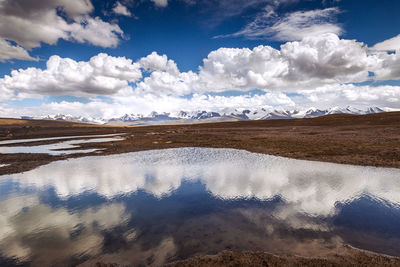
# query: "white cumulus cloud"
(311, 62)
(392, 44)
(120, 9)
(30, 23)
(389, 67)
(101, 75)
(158, 62)
(321, 71)
(352, 95)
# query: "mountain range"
(209, 116)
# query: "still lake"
(157, 206)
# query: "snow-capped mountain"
(244, 114)
(201, 115)
(153, 116)
(374, 110)
(210, 116)
(61, 117)
(256, 114)
(313, 112)
(131, 117)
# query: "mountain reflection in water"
(157, 206)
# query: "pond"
(157, 206)
(30, 140)
(59, 147)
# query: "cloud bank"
(319, 71)
(306, 64)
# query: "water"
(158, 206)
(18, 141)
(59, 148)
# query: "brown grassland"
(372, 140)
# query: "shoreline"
(350, 257)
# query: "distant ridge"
(183, 117)
(236, 115)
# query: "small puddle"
(153, 207)
(56, 148)
(17, 141)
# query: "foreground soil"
(372, 140)
(351, 257)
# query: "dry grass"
(12, 121)
(372, 140)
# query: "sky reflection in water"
(156, 206)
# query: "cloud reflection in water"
(311, 187)
(153, 206)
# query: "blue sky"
(190, 69)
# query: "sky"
(104, 59)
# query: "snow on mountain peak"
(264, 113)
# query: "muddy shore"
(369, 140)
(350, 257)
